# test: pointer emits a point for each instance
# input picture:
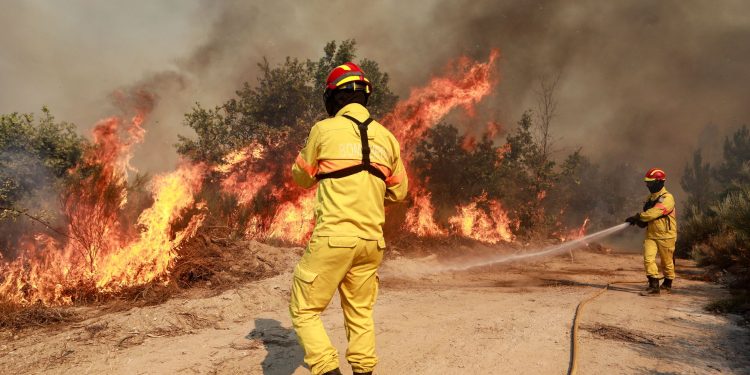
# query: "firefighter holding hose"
(357, 165)
(659, 218)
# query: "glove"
(633, 220)
(641, 224)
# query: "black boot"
(666, 285)
(333, 372)
(653, 287)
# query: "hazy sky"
(640, 80)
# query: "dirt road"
(502, 319)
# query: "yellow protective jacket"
(659, 213)
(352, 205)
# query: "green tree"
(570, 196)
(280, 108)
(481, 170)
(734, 171)
(439, 161)
(35, 156)
(34, 153)
(697, 181)
(712, 193)
(529, 174)
(454, 173)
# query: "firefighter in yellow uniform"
(356, 163)
(660, 219)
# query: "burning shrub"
(99, 252)
(540, 198)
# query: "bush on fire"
(543, 196)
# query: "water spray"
(565, 246)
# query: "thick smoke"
(641, 82)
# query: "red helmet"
(655, 174)
(348, 76)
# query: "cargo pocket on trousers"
(302, 293)
(343, 242)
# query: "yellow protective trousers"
(350, 265)
(665, 249)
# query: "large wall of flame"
(641, 81)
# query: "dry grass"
(199, 261)
(14, 317)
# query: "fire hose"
(573, 368)
(567, 246)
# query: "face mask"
(330, 105)
(654, 186)
(335, 100)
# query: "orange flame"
(101, 254)
(294, 221)
(490, 225)
(149, 257)
(427, 105)
(576, 233)
(419, 218)
(240, 179)
(464, 87)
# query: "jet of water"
(565, 246)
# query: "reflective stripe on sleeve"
(663, 208)
(394, 179)
(309, 169)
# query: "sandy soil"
(501, 319)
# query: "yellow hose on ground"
(573, 369)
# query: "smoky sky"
(641, 82)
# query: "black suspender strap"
(363, 138)
(365, 166)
